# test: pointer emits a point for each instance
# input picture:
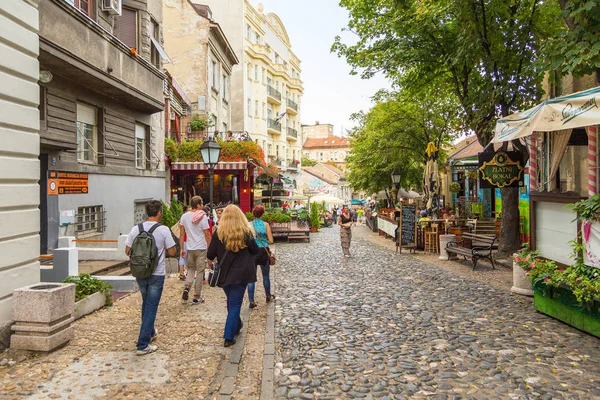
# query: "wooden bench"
(299, 230)
(280, 230)
(473, 246)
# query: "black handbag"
(215, 271)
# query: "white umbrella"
(327, 198)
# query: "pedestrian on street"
(182, 260)
(345, 223)
(234, 246)
(264, 237)
(195, 225)
(360, 213)
(218, 213)
(353, 215)
(335, 214)
(151, 288)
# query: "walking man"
(151, 288)
(195, 226)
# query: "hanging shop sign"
(501, 169)
(67, 182)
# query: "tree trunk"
(510, 240)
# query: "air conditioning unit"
(112, 6)
(172, 116)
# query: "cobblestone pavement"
(388, 326)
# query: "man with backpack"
(147, 245)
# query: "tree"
(393, 135)
(486, 51)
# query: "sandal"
(270, 298)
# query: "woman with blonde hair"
(234, 246)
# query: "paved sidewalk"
(100, 363)
(382, 325)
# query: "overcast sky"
(331, 94)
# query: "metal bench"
(473, 246)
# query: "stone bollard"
(521, 284)
(65, 264)
(42, 315)
(444, 240)
(66, 241)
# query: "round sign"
(501, 159)
(52, 185)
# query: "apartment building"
(101, 94)
(266, 88)
(317, 131)
(202, 62)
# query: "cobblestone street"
(384, 325)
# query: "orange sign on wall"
(67, 182)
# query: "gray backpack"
(144, 256)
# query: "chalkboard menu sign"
(408, 226)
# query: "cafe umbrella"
(431, 180)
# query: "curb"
(267, 388)
(230, 367)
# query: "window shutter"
(86, 114)
(127, 31)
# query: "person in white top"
(195, 226)
(151, 288)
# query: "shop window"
(573, 169)
(127, 27)
(87, 133)
(141, 144)
(90, 221)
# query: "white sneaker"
(149, 349)
(153, 338)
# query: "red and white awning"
(199, 166)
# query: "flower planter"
(313, 229)
(561, 304)
(88, 305)
(521, 284)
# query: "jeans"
(151, 289)
(266, 269)
(235, 297)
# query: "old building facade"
(101, 128)
(332, 148)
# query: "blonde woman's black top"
(236, 267)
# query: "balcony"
(273, 94)
(273, 126)
(84, 53)
(292, 134)
(293, 165)
(291, 106)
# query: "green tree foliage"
(307, 162)
(393, 135)
(576, 49)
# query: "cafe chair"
(432, 240)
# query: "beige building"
(266, 88)
(102, 93)
(317, 131)
(330, 148)
(202, 62)
(20, 167)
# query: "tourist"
(182, 260)
(335, 214)
(360, 214)
(234, 246)
(151, 288)
(218, 213)
(195, 225)
(345, 223)
(263, 237)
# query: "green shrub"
(198, 123)
(314, 215)
(171, 214)
(86, 285)
(249, 216)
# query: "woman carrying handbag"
(234, 246)
(345, 222)
(264, 237)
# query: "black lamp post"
(210, 152)
(396, 182)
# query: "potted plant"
(521, 261)
(91, 294)
(454, 187)
(315, 223)
(198, 123)
(472, 175)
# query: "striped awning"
(199, 166)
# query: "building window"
(256, 38)
(264, 107)
(277, 58)
(154, 34)
(269, 148)
(140, 146)
(256, 72)
(89, 221)
(248, 31)
(264, 74)
(85, 6)
(248, 71)
(277, 85)
(277, 150)
(87, 133)
(249, 110)
(256, 108)
(224, 127)
(224, 89)
(215, 75)
(127, 27)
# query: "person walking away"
(345, 223)
(334, 212)
(234, 246)
(195, 225)
(353, 214)
(264, 237)
(360, 213)
(151, 287)
(182, 260)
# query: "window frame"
(90, 221)
(95, 144)
(143, 136)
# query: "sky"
(331, 94)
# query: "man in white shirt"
(151, 288)
(195, 225)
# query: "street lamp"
(396, 182)
(210, 152)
